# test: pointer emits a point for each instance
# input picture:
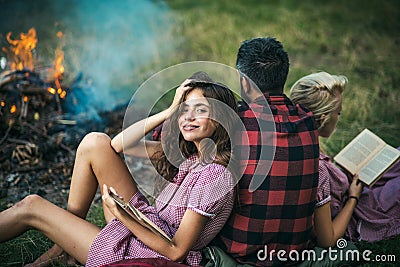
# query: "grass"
(356, 38)
(29, 246)
(23, 250)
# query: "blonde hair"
(318, 92)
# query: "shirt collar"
(274, 98)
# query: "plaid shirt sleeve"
(279, 213)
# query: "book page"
(140, 217)
(150, 225)
(370, 173)
(359, 151)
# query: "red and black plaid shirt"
(279, 213)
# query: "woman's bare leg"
(96, 163)
(73, 234)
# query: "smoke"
(108, 44)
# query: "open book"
(368, 156)
(140, 217)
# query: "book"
(138, 216)
(368, 156)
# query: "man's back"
(278, 215)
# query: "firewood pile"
(39, 133)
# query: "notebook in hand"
(138, 216)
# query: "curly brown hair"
(219, 151)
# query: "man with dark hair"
(274, 215)
(265, 62)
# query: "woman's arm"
(188, 232)
(131, 138)
(328, 231)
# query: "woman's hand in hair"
(179, 93)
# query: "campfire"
(21, 88)
(40, 126)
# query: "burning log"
(23, 94)
(20, 78)
(20, 87)
(41, 124)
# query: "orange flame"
(20, 51)
(63, 94)
(51, 90)
(58, 70)
(13, 109)
(58, 63)
(20, 57)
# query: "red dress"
(205, 189)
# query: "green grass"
(356, 38)
(29, 246)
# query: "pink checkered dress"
(205, 189)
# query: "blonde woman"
(357, 214)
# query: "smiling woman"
(191, 209)
(194, 122)
(207, 111)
